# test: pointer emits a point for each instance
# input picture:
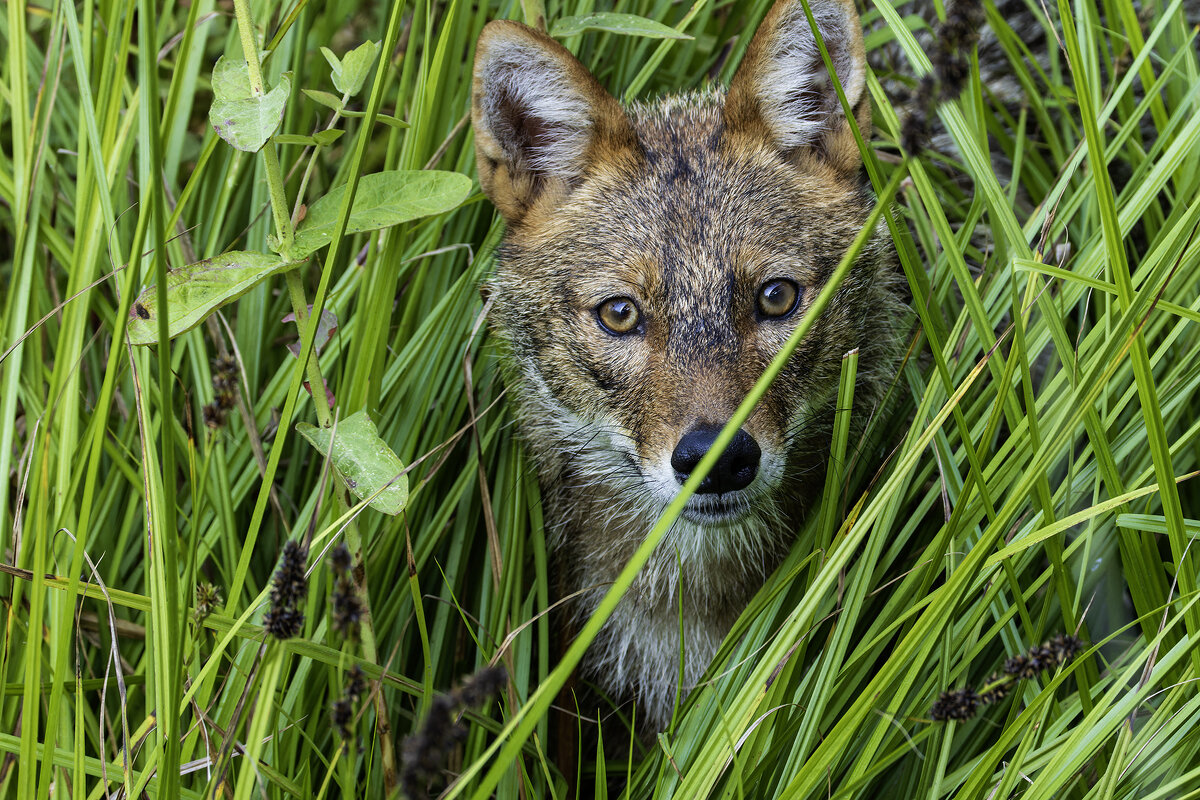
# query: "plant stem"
(295, 285)
(241, 9)
(312, 161)
(279, 203)
(353, 538)
(316, 383)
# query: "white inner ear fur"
(798, 98)
(543, 94)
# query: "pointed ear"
(540, 118)
(783, 92)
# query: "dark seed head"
(356, 683)
(483, 685)
(959, 704)
(284, 623)
(425, 752)
(1017, 666)
(214, 415)
(340, 560)
(347, 611)
(996, 689)
(341, 713)
(915, 132)
(290, 585)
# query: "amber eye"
(619, 316)
(778, 297)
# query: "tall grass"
(1037, 480)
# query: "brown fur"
(688, 206)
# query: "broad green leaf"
(383, 199)
(613, 22)
(354, 68)
(363, 461)
(243, 119)
(327, 99)
(197, 290)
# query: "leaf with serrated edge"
(383, 199)
(612, 22)
(244, 120)
(197, 290)
(363, 461)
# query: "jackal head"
(657, 258)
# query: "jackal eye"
(778, 297)
(619, 316)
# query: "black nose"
(735, 469)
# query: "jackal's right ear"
(783, 92)
(540, 118)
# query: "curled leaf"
(197, 290)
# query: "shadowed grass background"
(1029, 488)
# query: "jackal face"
(657, 259)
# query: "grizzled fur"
(687, 206)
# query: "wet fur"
(687, 204)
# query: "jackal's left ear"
(783, 91)
(540, 118)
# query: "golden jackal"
(657, 258)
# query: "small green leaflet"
(351, 71)
(327, 99)
(384, 118)
(612, 22)
(383, 199)
(363, 461)
(322, 138)
(245, 120)
(197, 290)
